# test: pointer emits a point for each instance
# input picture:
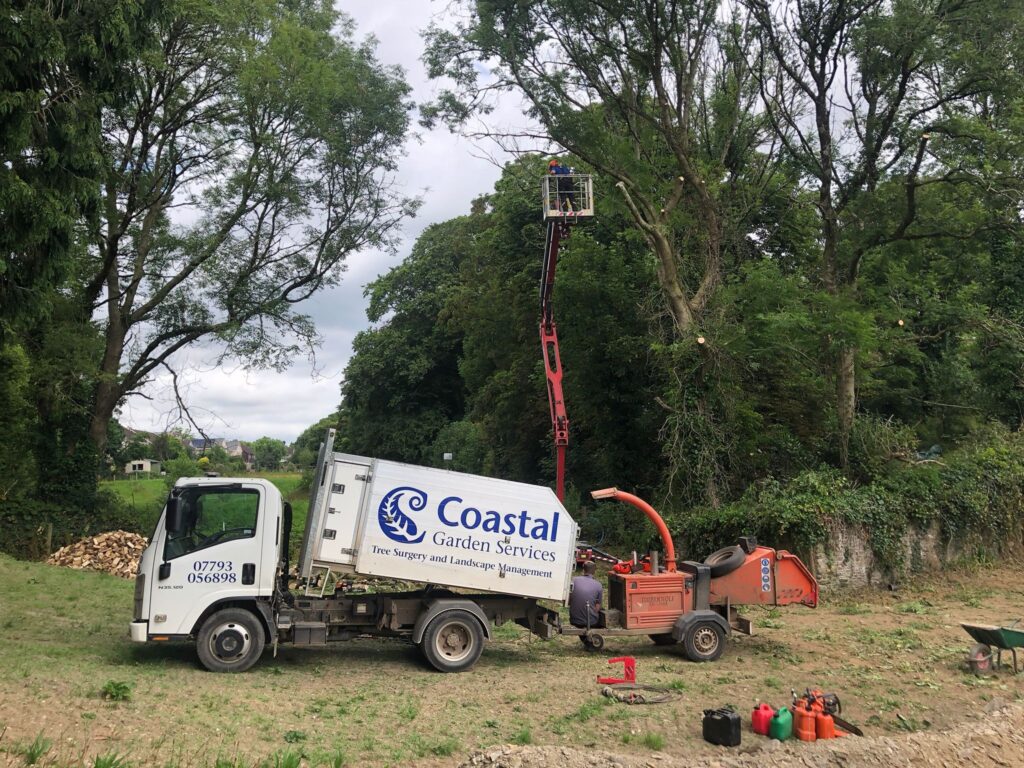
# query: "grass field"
(75, 689)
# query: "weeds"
(522, 737)
(408, 711)
(110, 760)
(285, 759)
(34, 751)
(446, 747)
(653, 741)
(587, 710)
(294, 737)
(116, 690)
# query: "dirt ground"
(894, 658)
(993, 738)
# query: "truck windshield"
(213, 515)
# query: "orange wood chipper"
(690, 603)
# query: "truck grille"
(140, 590)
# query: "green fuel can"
(781, 725)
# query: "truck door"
(344, 488)
(216, 555)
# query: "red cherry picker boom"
(568, 198)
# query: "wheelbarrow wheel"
(979, 659)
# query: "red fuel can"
(760, 718)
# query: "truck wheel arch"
(261, 610)
(438, 607)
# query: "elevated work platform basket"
(568, 196)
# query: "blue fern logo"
(396, 524)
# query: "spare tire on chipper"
(725, 560)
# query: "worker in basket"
(585, 598)
(563, 186)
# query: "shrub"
(975, 494)
(29, 524)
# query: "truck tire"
(453, 641)
(725, 561)
(230, 640)
(704, 641)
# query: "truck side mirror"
(175, 521)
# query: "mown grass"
(78, 693)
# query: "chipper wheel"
(704, 641)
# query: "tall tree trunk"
(671, 285)
(108, 390)
(846, 401)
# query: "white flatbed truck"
(217, 568)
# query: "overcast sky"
(445, 170)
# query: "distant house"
(236, 449)
(142, 466)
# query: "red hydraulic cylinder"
(556, 402)
(647, 509)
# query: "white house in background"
(147, 466)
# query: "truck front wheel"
(230, 640)
(453, 641)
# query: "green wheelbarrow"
(980, 658)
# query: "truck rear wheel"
(704, 641)
(453, 641)
(230, 640)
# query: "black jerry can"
(722, 726)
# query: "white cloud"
(447, 171)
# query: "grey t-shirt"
(585, 601)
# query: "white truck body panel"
(387, 519)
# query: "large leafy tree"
(655, 95)
(402, 384)
(61, 64)
(872, 102)
(252, 155)
(659, 98)
(453, 363)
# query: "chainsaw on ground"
(829, 704)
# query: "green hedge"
(976, 494)
(25, 523)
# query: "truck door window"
(213, 515)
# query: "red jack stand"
(628, 671)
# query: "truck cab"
(216, 547)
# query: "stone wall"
(846, 558)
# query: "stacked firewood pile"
(115, 552)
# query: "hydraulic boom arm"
(557, 231)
